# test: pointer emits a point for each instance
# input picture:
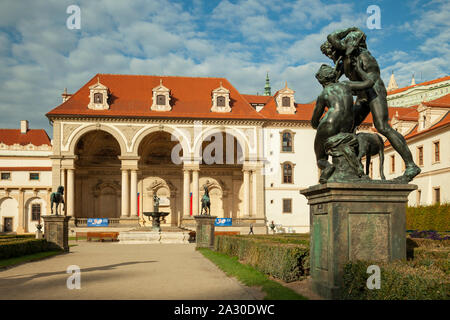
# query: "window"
(437, 194)
(98, 98)
(419, 196)
(420, 156)
(286, 142)
(35, 212)
(286, 102)
(221, 101)
(392, 163)
(34, 176)
(436, 151)
(287, 173)
(287, 205)
(160, 100)
(6, 175)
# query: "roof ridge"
(156, 75)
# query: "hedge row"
(18, 248)
(435, 217)
(399, 281)
(286, 261)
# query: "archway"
(97, 176)
(9, 215)
(35, 208)
(160, 173)
(221, 171)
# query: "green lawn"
(27, 258)
(251, 277)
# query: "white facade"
(434, 180)
(418, 93)
(304, 173)
(25, 183)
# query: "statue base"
(354, 221)
(56, 229)
(204, 236)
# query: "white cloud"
(240, 40)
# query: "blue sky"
(237, 39)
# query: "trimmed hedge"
(17, 248)
(435, 217)
(399, 281)
(286, 261)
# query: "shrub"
(285, 261)
(399, 281)
(17, 248)
(435, 217)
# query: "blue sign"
(223, 222)
(97, 222)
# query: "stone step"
(139, 237)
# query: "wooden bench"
(226, 233)
(80, 235)
(102, 235)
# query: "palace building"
(120, 139)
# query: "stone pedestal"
(204, 236)
(354, 221)
(39, 234)
(56, 230)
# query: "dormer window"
(161, 98)
(221, 99)
(98, 96)
(285, 101)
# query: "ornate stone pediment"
(221, 100)
(129, 132)
(68, 128)
(285, 101)
(161, 98)
(98, 96)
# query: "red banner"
(190, 207)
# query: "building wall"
(418, 94)
(434, 174)
(305, 174)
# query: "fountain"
(156, 215)
(153, 234)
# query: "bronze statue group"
(348, 50)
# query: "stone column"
(186, 184)
(254, 211)
(70, 192)
(354, 221)
(133, 191)
(21, 227)
(63, 179)
(125, 194)
(195, 192)
(246, 192)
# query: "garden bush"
(400, 280)
(17, 248)
(435, 217)
(272, 256)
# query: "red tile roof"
(36, 137)
(442, 102)
(25, 168)
(414, 133)
(256, 99)
(419, 84)
(131, 96)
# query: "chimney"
(23, 126)
(65, 95)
